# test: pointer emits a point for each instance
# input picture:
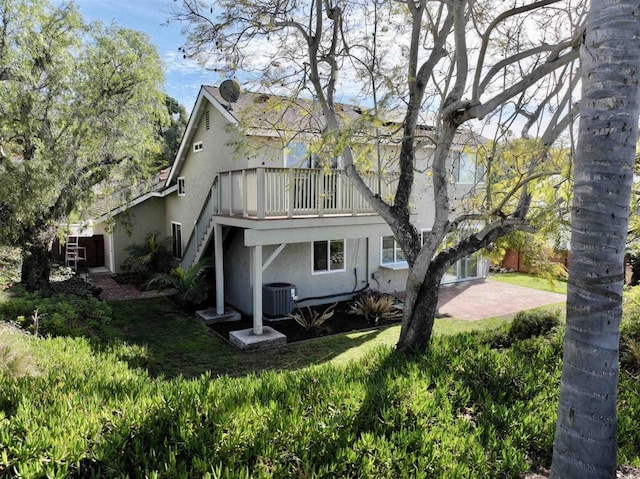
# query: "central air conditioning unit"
(278, 299)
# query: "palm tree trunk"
(585, 441)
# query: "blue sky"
(182, 77)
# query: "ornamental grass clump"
(376, 306)
(312, 319)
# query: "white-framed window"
(182, 191)
(391, 253)
(198, 146)
(296, 155)
(176, 239)
(328, 256)
(466, 170)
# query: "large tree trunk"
(585, 441)
(36, 267)
(418, 325)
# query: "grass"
(173, 344)
(461, 409)
(154, 393)
(177, 344)
(531, 281)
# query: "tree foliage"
(435, 67)
(171, 132)
(79, 104)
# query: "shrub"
(312, 319)
(376, 306)
(190, 284)
(153, 256)
(10, 262)
(630, 331)
(631, 304)
(59, 315)
(527, 324)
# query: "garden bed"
(341, 322)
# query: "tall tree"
(79, 105)
(445, 64)
(171, 132)
(585, 442)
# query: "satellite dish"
(230, 90)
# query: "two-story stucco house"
(247, 189)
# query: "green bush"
(153, 255)
(528, 324)
(190, 284)
(59, 315)
(631, 304)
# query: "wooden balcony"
(276, 193)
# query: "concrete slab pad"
(246, 340)
(210, 316)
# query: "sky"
(182, 77)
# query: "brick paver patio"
(481, 299)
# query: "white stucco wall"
(134, 226)
(293, 265)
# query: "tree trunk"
(418, 326)
(36, 267)
(585, 441)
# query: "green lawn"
(531, 281)
(177, 344)
(171, 343)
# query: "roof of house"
(124, 197)
(261, 114)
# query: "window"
(198, 146)
(181, 187)
(391, 251)
(176, 239)
(328, 256)
(296, 155)
(465, 168)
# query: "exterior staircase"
(203, 228)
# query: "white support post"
(257, 290)
(219, 255)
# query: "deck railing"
(263, 193)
